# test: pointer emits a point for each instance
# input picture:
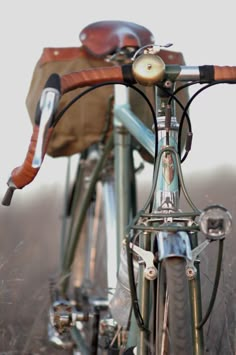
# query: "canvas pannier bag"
(83, 124)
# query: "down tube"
(122, 151)
(110, 233)
(123, 165)
(126, 124)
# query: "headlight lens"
(215, 222)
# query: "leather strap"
(61, 53)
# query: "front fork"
(171, 245)
(175, 244)
(178, 245)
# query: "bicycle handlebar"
(147, 75)
(42, 130)
(146, 70)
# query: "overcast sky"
(203, 30)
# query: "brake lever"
(48, 103)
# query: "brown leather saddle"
(107, 37)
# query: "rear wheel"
(89, 266)
(84, 284)
(173, 316)
(90, 255)
(91, 270)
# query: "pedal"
(59, 340)
(62, 316)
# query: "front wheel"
(173, 315)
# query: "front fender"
(173, 244)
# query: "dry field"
(29, 240)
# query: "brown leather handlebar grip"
(24, 174)
(90, 77)
(224, 73)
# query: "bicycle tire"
(89, 251)
(173, 315)
(89, 267)
(85, 282)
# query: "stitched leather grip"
(224, 73)
(91, 77)
(24, 174)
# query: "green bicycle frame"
(168, 189)
(169, 183)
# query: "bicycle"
(148, 307)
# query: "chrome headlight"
(215, 222)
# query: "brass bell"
(148, 69)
